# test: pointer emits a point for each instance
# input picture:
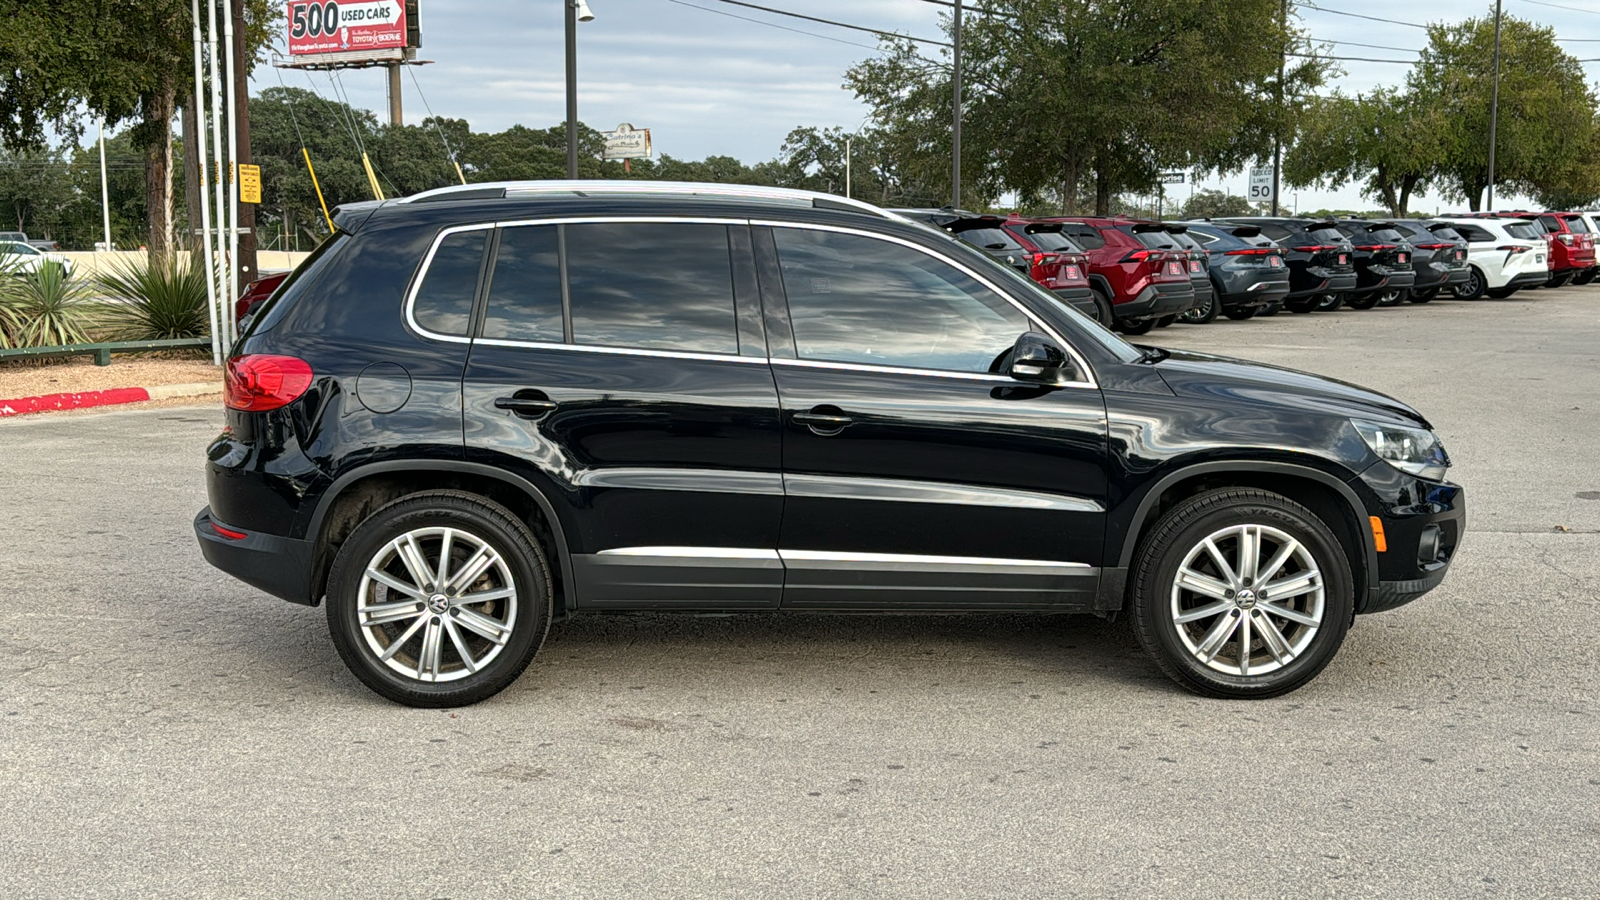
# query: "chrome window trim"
(895, 490)
(1034, 320)
(1027, 313)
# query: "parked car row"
(1134, 275)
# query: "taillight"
(1566, 239)
(1373, 248)
(1259, 251)
(1070, 272)
(1040, 259)
(1512, 248)
(1140, 256)
(258, 382)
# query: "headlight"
(1414, 450)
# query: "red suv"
(1059, 265)
(1571, 245)
(1139, 284)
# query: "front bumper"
(1423, 523)
(278, 565)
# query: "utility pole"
(246, 258)
(1277, 131)
(955, 131)
(1494, 105)
(396, 114)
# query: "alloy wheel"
(1239, 615)
(436, 604)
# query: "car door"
(914, 477)
(620, 367)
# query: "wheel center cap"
(438, 603)
(1246, 599)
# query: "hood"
(1214, 378)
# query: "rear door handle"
(823, 420)
(526, 407)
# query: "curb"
(87, 399)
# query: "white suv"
(1504, 255)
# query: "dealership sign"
(329, 26)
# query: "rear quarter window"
(444, 298)
(293, 287)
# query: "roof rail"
(601, 187)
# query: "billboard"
(355, 26)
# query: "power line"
(1559, 6)
(1359, 44)
(875, 31)
(1337, 12)
(1404, 62)
(773, 25)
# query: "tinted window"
(1202, 237)
(1446, 233)
(1084, 235)
(1326, 235)
(1575, 224)
(989, 239)
(1157, 240)
(1276, 232)
(859, 300)
(656, 286)
(1385, 234)
(1551, 224)
(1473, 232)
(1524, 230)
(525, 289)
(1053, 241)
(444, 299)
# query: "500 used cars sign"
(329, 26)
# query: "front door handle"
(824, 420)
(527, 404)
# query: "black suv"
(477, 409)
(1320, 259)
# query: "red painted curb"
(84, 400)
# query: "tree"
(1099, 90)
(1211, 204)
(1546, 107)
(1388, 141)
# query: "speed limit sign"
(1261, 183)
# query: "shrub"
(44, 309)
(154, 301)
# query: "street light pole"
(1494, 105)
(577, 11)
(105, 192)
(955, 132)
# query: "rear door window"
(444, 299)
(525, 287)
(652, 285)
(1551, 224)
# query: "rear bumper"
(1079, 298)
(1384, 278)
(1436, 275)
(1162, 299)
(278, 565)
(1324, 281)
(1245, 289)
(1527, 279)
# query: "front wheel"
(1242, 593)
(439, 599)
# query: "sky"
(707, 83)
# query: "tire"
(1329, 302)
(1304, 304)
(500, 633)
(1164, 321)
(1366, 301)
(1393, 298)
(1240, 313)
(1423, 296)
(1229, 519)
(1474, 287)
(1102, 308)
(1501, 293)
(1270, 310)
(1584, 277)
(1559, 281)
(1201, 313)
(1142, 326)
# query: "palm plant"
(44, 309)
(154, 301)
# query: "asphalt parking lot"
(167, 731)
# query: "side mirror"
(1037, 359)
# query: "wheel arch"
(356, 494)
(1330, 499)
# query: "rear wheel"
(1202, 312)
(1102, 308)
(1474, 287)
(1501, 293)
(1242, 593)
(1559, 280)
(439, 599)
(1271, 309)
(1141, 326)
(1392, 298)
(1240, 313)
(1423, 296)
(1304, 304)
(1164, 321)
(1586, 276)
(1329, 302)
(1366, 301)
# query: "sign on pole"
(1260, 184)
(1172, 178)
(627, 142)
(249, 183)
(328, 26)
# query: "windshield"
(1575, 224)
(989, 239)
